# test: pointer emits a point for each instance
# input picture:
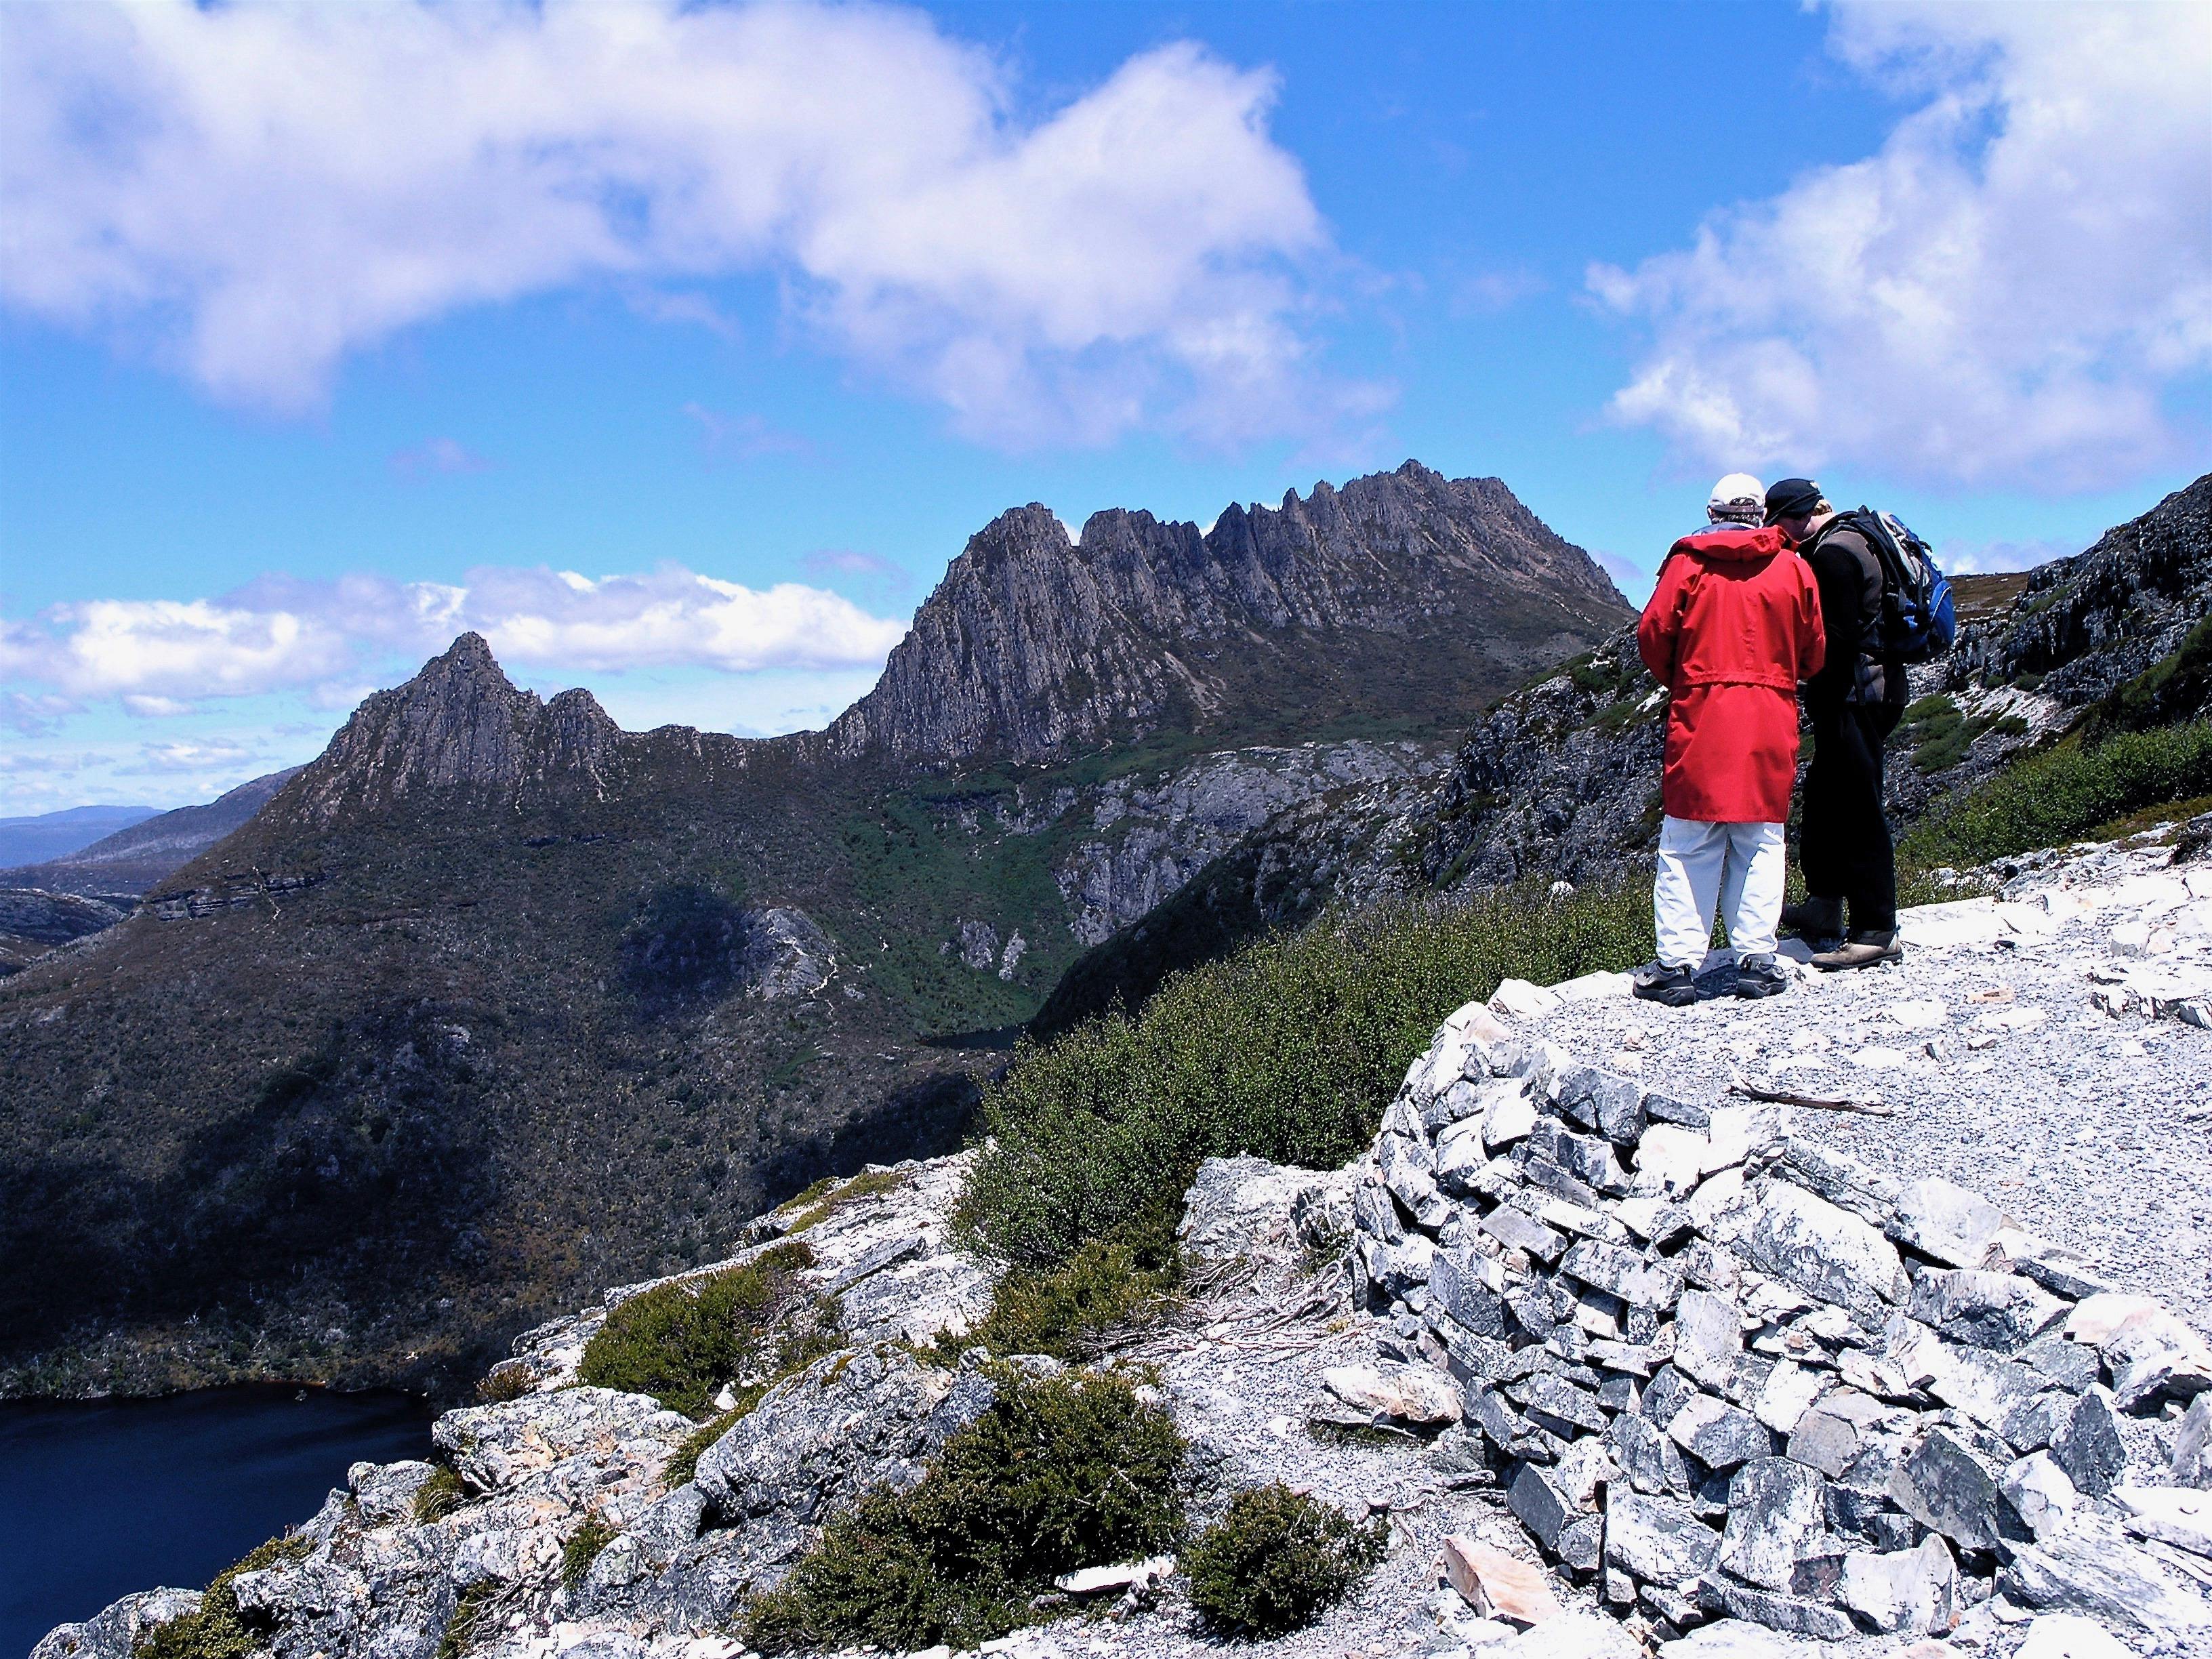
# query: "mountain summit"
(1361, 602)
(458, 723)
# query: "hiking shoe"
(1818, 922)
(1868, 950)
(1761, 976)
(1655, 981)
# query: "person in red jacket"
(1732, 627)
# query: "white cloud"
(1993, 558)
(328, 639)
(258, 189)
(2008, 292)
(216, 755)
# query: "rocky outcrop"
(2085, 624)
(1034, 644)
(460, 723)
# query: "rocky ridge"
(1629, 1362)
(142, 855)
(1034, 644)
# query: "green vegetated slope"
(487, 1011)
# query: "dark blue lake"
(102, 1498)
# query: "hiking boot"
(1761, 976)
(1818, 922)
(1862, 950)
(1655, 981)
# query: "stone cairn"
(1723, 1371)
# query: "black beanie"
(1792, 498)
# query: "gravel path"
(2092, 1129)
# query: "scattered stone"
(1997, 1310)
(1719, 1435)
(2070, 1636)
(2033, 1423)
(1941, 1485)
(1622, 1273)
(1938, 1219)
(2039, 1492)
(1775, 1510)
(2088, 1446)
(1731, 1639)
(1414, 1396)
(2099, 1318)
(1825, 1441)
(1825, 1252)
(1786, 1395)
(2067, 1365)
(1498, 1585)
(1581, 1544)
(1904, 1592)
(1517, 1232)
(1652, 1463)
(1571, 1635)
(1657, 1541)
(1516, 998)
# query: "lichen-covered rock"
(116, 1630)
(495, 1446)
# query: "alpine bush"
(583, 1547)
(1276, 1560)
(1060, 1472)
(1070, 1310)
(1289, 1050)
(681, 1342)
(217, 1629)
(2062, 792)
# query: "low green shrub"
(502, 1383)
(681, 1342)
(1276, 1560)
(1289, 1049)
(439, 1495)
(582, 1548)
(1069, 1311)
(685, 1465)
(2059, 794)
(1060, 1472)
(217, 1629)
(470, 1609)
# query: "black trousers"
(1844, 842)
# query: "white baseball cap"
(1739, 496)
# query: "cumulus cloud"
(212, 755)
(2010, 292)
(261, 189)
(325, 638)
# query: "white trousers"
(1739, 866)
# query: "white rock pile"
(1726, 1372)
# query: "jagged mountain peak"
(1035, 645)
(458, 723)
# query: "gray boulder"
(495, 1446)
(2088, 1446)
(1944, 1486)
(1938, 1219)
(1657, 1541)
(1904, 1592)
(116, 1630)
(1826, 1252)
(2003, 1311)
(1776, 1510)
(1719, 1435)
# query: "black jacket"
(1849, 574)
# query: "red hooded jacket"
(1733, 626)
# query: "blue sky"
(679, 351)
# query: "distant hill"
(144, 849)
(494, 1004)
(57, 834)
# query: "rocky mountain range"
(494, 1002)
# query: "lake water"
(102, 1498)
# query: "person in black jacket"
(1854, 703)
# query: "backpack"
(1919, 617)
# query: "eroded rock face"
(1034, 643)
(116, 1630)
